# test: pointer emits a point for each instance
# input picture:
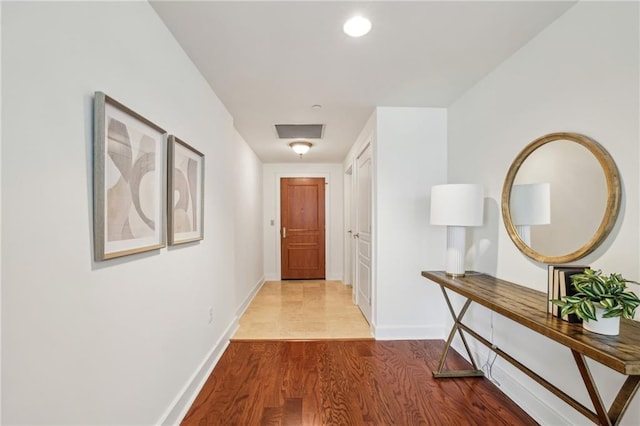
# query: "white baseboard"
(406, 332)
(247, 301)
(518, 391)
(183, 401)
(272, 278)
(521, 394)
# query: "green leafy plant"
(595, 289)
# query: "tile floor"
(302, 310)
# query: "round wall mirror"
(561, 197)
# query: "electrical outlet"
(210, 314)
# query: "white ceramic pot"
(608, 326)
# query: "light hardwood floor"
(302, 310)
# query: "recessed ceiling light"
(316, 106)
(357, 26)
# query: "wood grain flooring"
(302, 310)
(362, 382)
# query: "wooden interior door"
(302, 236)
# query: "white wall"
(124, 341)
(410, 157)
(333, 175)
(248, 224)
(366, 136)
(580, 74)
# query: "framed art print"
(129, 181)
(185, 192)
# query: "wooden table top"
(529, 308)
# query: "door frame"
(349, 271)
(303, 248)
(367, 145)
(327, 218)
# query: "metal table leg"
(620, 403)
(441, 373)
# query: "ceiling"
(269, 62)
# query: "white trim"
(183, 401)
(247, 301)
(407, 332)
(518, 389)
(520, 393)
(368, 144)
(347, 226)
(328, 266)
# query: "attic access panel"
(299, 131)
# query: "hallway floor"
(302, 310)
(362, 382)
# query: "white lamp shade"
(300, 147)
(457, 205)
(530, 204)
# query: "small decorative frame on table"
(129, 184)
(186, 192)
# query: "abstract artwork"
(186, 192)
(129, 181)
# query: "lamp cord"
(488, 364)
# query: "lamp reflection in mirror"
(300, 147)
(530, 204)
(456, 206)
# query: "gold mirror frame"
(613, 197)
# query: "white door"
(363, 232)
(349, 263)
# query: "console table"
(528, 307)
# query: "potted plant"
(600, 301)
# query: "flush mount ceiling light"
(300, 147)
(357, 26)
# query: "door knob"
(284, 232)
(356, 235)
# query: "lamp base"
(456, 245)
(524, 231)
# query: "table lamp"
(530, 204)
(456, 206)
